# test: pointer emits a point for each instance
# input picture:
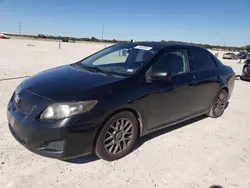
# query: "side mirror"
(164, 76)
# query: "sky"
(215, 22)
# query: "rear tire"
(117, 137)
(219, 104)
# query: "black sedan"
(105, 102)
(246, 70)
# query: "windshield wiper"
(96, 69)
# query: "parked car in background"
(104, 102)
(243, 55)
(230, 55)
(246, 70)
(2, 36)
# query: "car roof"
(161, 45)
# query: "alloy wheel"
(245, 70)
(220, 103)
(118, 136)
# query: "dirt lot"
(198, 153)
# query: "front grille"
(24, 107)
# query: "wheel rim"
(118, 136)
(220, 103)
(245, 69)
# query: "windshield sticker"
(143, 47)
(130, 70)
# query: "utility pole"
(225, 42)
(102, 31)
(19, 28)
(103, 34)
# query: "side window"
(202, 59)
(217, 61)
(174, 62)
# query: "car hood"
(67, 83)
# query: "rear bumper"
(231, 83)
(228, 58)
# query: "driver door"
(171, 100)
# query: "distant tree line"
(93, 39)
(248, 48)
(65, 38)
(73, 39)
(208, 46)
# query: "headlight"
(18, 88)
(63, 110)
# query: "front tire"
(219, 104)
(117, 137)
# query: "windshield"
(120, 59)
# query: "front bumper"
(61, 139)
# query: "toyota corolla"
(105, 102)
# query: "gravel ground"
(198, 153)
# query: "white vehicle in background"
(2, 36)
(230, 55)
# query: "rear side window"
(202, 59)
(217, 61)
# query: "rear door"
(207, 80)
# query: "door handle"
(219, 76)
(194, 80)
